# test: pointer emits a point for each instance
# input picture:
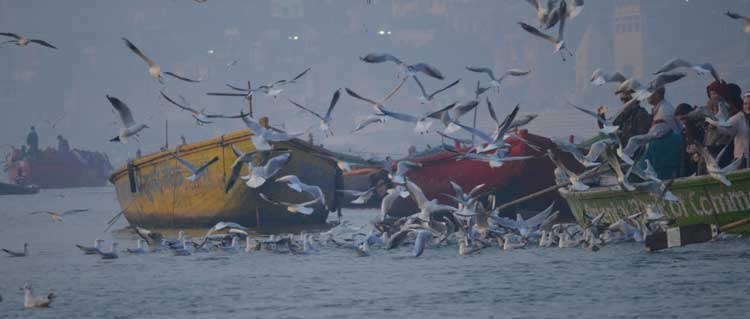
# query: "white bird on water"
(130, 127)
(153, 69)
(23, 253)
(294, 183)
(196, 172)
(325, 121)
(302, 208)
(22, 41)
(140, 249)
(30, 301)
(93, 250)
(112, 254)
(495, 81)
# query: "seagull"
(522, 121)
(558, 42)
(494, 159)
(387, 202)
(112, 254)
(622, 178)
(495, 82)
(658, 190)
(94, 250)
(153, 69)
(745, 20)
(183, 249)
(294, 183)
(701, 69)
(361, 196)
(573, 150)
(325, 121)
(563, 12)
(403, 68)
(599, 78)
(24, 253)
(200, 116)
(24, 41)
(272, 89)
(30, 301)
(402, 167)
(261, 135)
(424, 98)
(480, 90)
(242, 158)
(58, 216)
(497, 138)
(374, 103)
(454, 115)
(647, 174)
(372, 119)
(426, 207)
(423, 236)
(130, 127)
(139, 249)
(524, 227)
(422, 122)
(258, 175)
(301, 208)
(607, 126)
(196, 172)
(573, 178)
(713, 168)
(542, 12)
(634, 144)
(642, 92)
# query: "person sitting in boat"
(62, 144)
(32, 140)
(740, 129)
(731, 93)
(714, 140)
(633, 120)
(693, 132)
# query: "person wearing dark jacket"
(634, 120)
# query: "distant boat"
(153, 191)
(55, 169)
(12, 189)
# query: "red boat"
(507, 182)
(53, 169)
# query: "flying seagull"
(558, 42)
(424, 98)
(745, 20)
(302, 208)
(200, 116)
(24, 41)
(130, 127)
(361, 196)
(196, 172)
(374, 103)
(372, 119)
(23, 253)
(642, 92)
(294, 183)
(325, 121)
(599, 77)
(236, 168)
(404, 69)
(714, 170)
(607, 126)
(422, 122)
(272, 89)
(153, 69)
(262, 136)
(701, 69)
(258, 175)
(494, 81)
(58, 216)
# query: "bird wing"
(226, 94)
(429, 70)
(475, 190)
(181, 77)
(236, 88)
(351, 192)
(441, 90)
(563, 13)
(536, 32)
(576, 9)
(438, 114)
(457, 189)
(73, 211)
(666, 78)
(673, 64)
(138, 52)
(253, 125)
(486, 137)
(12, 35)
(393, 92)
(421, 88)
(463, 108)
(299, 76)
(507, 124)
(516, 72)
(482, 70)
(589, 112)
(399, 116)
(493, 115)
(178, 104)
(304, 108)
(125, 114)
(416, 193)
(43, 43)
(366, 122)
(206, 165)
(380, 57)
(357, 96)
(404, 166)
(729, 14)
(184, 163)
(537, 219)
(334, 101)
(275, 164)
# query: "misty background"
(277, 39)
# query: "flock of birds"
(473, 222)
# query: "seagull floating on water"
(139, 247)
(31, 301)
(112, 254)
(93, 250)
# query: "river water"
(710, 280)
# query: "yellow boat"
(153, 190)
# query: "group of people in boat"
(676, 133)
(31, 151)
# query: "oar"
(690, 234)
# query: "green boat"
(702, 200)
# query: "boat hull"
(161, 196)
(59, 172)
(703, 200)
(12, 189)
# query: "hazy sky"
(39, 86)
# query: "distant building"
(628, 38)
